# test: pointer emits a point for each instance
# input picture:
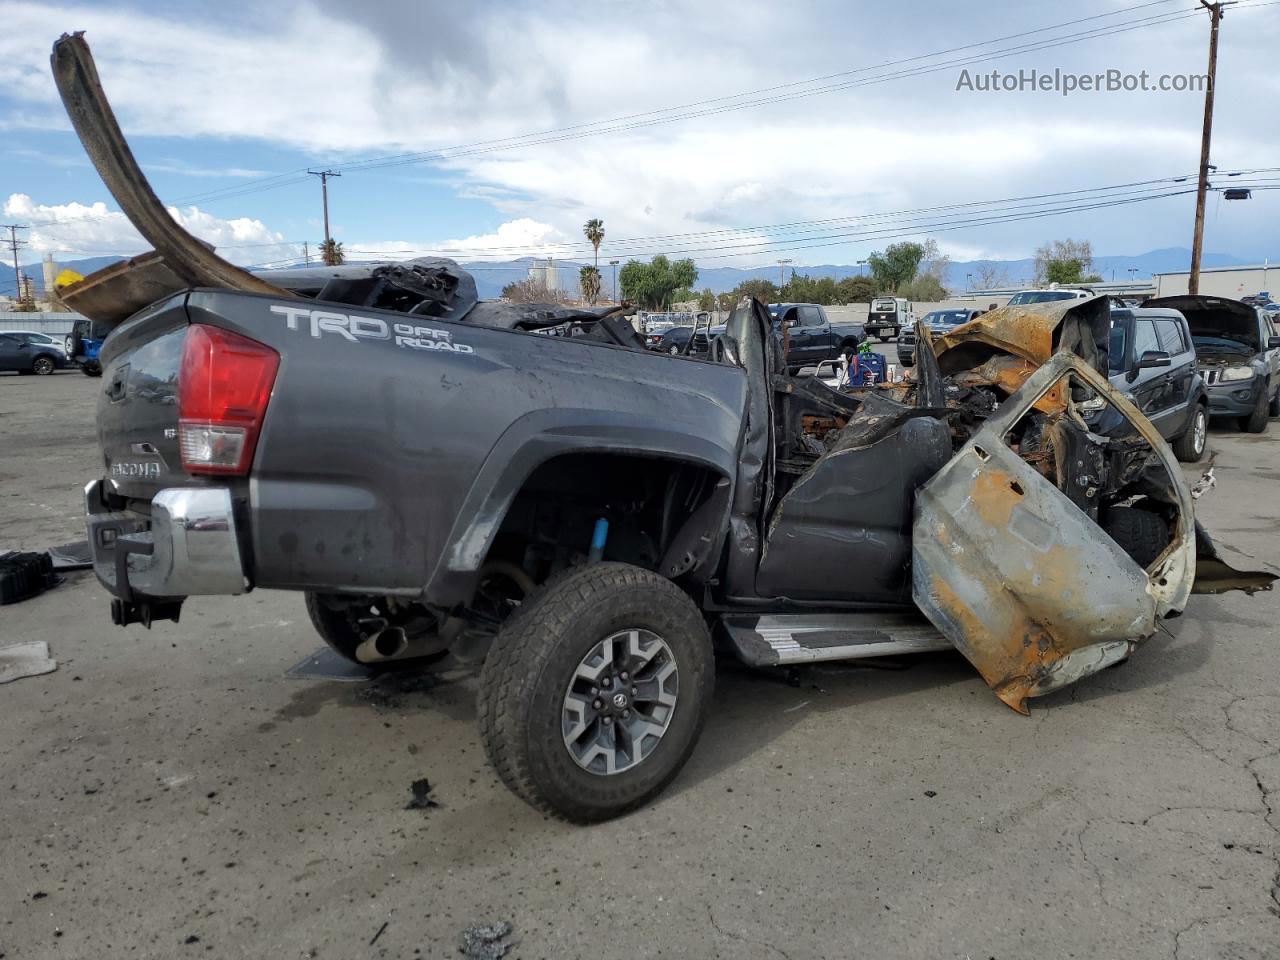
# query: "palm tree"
(331, 251)
(593, 230)
(589, 280)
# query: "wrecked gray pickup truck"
(434, 474)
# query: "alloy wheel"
(620, 701)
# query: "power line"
(578, 131)
(641, 245)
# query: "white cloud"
(389, 76)
(523, 237)
(88, 230)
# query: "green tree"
(1068, 271)
(532, 291)
(924, 289)
(593, 230)
(589, 281)
(331, 252)
(766, 291)
(1069, 259)
(726, 301)
(896, 266)
(706, 300)
(652, 285)
(855, 290)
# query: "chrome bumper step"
(774, 640)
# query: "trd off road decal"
(356, 328)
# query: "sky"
(493, 117)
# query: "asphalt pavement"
(171, 793)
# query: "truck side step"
(777, 639)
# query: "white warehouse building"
(1231, 282)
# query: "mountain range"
(491, 277)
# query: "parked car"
(1152, 358)
(39, 339)
(21, 354)
(938, 322)
(668, 339)
(810, 335)
(888, 316)
(82, 346)
(1238, 352)
(1050, 294)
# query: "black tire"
(1190, 447)
(528, 675)
(1256, 422)
(849, 349)
(91, 370)
(43, 365)
(1273, 409)
(1140, 533)
(673, 349)
(336, 629)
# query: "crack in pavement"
(744, 939)
(1177, 937)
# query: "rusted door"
(1021, 580)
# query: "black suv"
(1239, 354)
(1152, 358)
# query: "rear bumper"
(186, 547)
(1234, 399)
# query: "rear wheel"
(1256, 422)
(91, 370)
(1189, 447)
(593, 696)
(1141, 534)
(673, 349)
(1274, 408)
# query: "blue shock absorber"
(598, 537)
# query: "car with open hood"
(1238, 352)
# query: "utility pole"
(14, 244)
(782, 274)
(306, 252)
(860, 263)
(1206, 134)
(324, 176)
(614, 264)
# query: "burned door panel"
(1025, 584)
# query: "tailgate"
(138, 403)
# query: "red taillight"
(224, 384)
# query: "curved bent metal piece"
(86, 104)
(1025, 584)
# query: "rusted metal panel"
(115, 293)
(1020, 579)
(190, 261)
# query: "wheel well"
(645, 501)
